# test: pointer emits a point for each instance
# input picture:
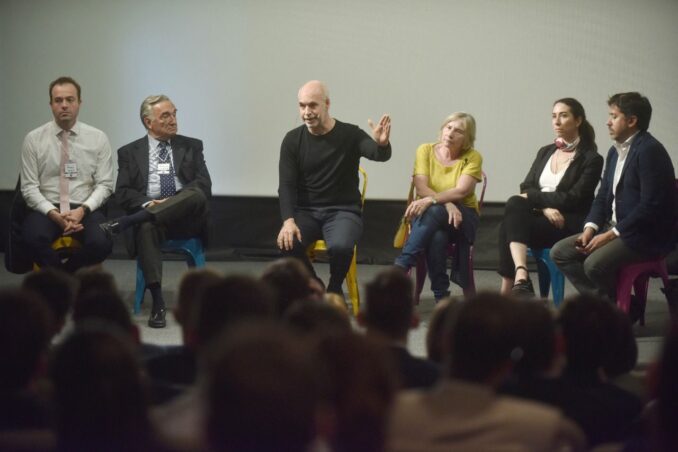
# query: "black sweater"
(322, 170)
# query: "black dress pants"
(523, 224)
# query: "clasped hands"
(588, 242)
(69, 222)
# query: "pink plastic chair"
(451, 251)
(637, 276)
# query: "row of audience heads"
(282, 365)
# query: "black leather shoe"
(111, 228)
(157, 319)
(523, 289)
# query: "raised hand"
(382, 130)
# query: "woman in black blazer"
(554, 197)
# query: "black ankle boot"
(157, 318)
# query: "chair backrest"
(17, 257)
(363, 186)
(482, 191)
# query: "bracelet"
(434, 201)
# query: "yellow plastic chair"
(63, 245)
(319, 246)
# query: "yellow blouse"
(441, 178)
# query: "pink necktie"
(64, 204)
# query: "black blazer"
(574, 193)
(132, 183)
(646, 201)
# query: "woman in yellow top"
(445, 176)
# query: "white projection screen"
(233, 68)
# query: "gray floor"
(649, 337)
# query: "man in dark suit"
(634, 213)
(163, 185)
(388, 315)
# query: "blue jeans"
(430, 233)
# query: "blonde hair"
(469, 127)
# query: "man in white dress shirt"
(66, 176)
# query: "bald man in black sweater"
(318, 188)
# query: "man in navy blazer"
(163, 185)
(633, 216)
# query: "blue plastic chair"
(191, 248)
(549, 275)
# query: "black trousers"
(182, 216)
(38, 232)
(524, 225)
(339, 227)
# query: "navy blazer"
(646, 199)
(132, 183)
(574, 193)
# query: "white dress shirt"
(622, 152)
(89, 149)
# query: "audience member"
(99, 299)
(94, 279)
(388, 315)
(358, 387)
(99, 392)
(463, 412)
(661, 433)
(174, 371)
(590, 329)
(317, 318)
(538, 374)
(290, 281)
(220, 306)
(443, 317)
(261, 391)
(25, 332)
(163, 185)
(620, 362)
(318, 186)
(58, 289)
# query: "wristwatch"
(85, 209)
(433, 200)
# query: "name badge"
(70, 170)
(163, 168)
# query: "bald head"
(314, 104)
(314, 88)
